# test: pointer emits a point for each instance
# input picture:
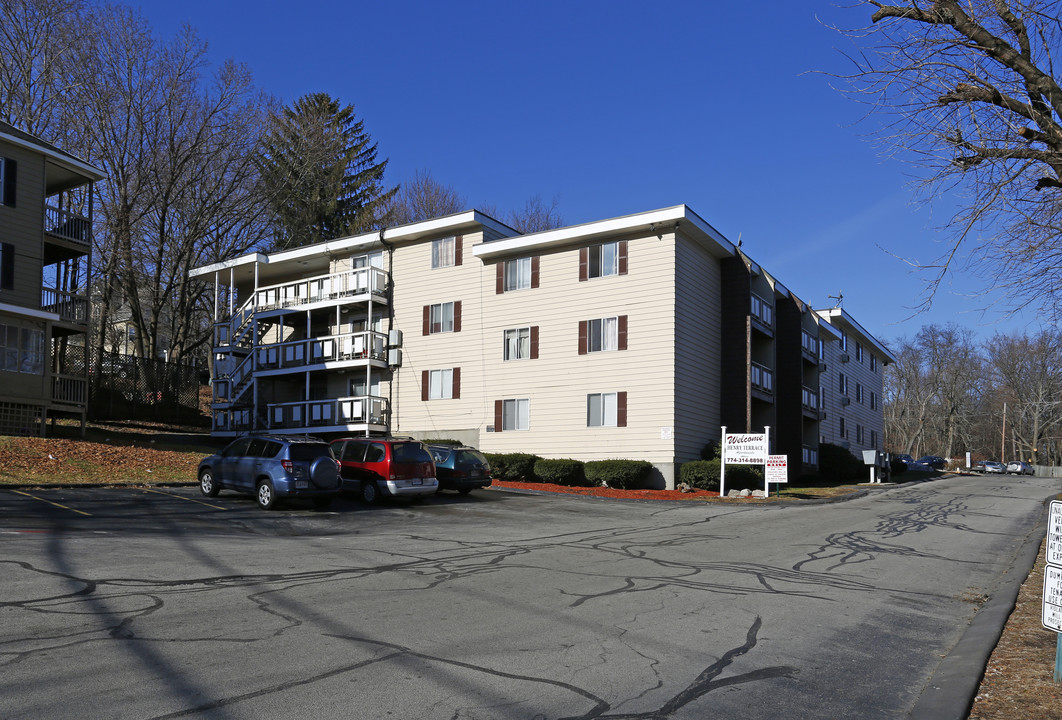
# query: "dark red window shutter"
(621, 409)
(499, 285)
(425, 380)
(9, 182)
(498, 416)
(582, 337)
(457, 249)
(534, 271)
(457, 316)
(457, 383)
(622, 257)
(534, 342)
(621, 332)
(584, 263)
(427, 319)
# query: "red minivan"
(395, 467)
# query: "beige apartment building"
(634, 337)
(45, 251)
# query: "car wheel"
(464, 491)
(369, 492)
(267, 496)
(207, 484)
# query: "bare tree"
(423, 198)
(976, 103)
(1030, 369)
(535, 216)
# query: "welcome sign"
(745, 448)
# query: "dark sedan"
(460, 468)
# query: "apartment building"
(852, 384)
(633, 337)
(45, 251)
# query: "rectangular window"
(601, 410)
(21, 350)
(516, 414)
(517, 274)
(844, 341)
(440, 384)
(604, 260)
(841, 429)
(873, 400)
(859, 393)
(859, 352)
(859, 434)
(603, 335)
(441, 318)
(443, 253)
(7, 182)
(517, 344)
(7, 266)
(842, 386)
(874, 439)
(873, 362)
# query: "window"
(859, 393)
(512, 414)
(859, 352)
(21, 350)
(441, 384)
(841, 429)
(518, 274)
(843, 384)
(873, 399)
(7, 266)
(443, 252)
(603, 260)
(844, 341)
(606, 409)
(7, 182)
(442, 317)
(603, 334)
(859, 434)
(873, 362)
(521, 343)
(874, 439)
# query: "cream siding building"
(634, 337)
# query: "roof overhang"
(673, 219)
(64, 171)
(31, 313)
(837, 316)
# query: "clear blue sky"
(621, 107)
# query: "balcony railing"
(68, 225)
(369, 280)
(330, 348)
(762, 378)
(69, 307)
(762, 311)
(809, 398)
(69, 389)
(321, 413)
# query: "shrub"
(744, 477)
(838, 466)
(560, 472)
(700, 474)
(514, 467)
(712, 450)
(441, 441)
(620, 474)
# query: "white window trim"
(607, 406)
(522, 273)
(441, 309)
(599, 251)
(441, 384)
(607, 334)
(444, 252)
(519, 346)
(520, 411)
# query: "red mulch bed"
(603, 492)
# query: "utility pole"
(1003, 438)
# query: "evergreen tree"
(321, 175)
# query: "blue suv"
(273, 467)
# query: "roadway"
(160, 603)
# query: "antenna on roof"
(839, 297)
(739, 240)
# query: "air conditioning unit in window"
(822, 367)
(846, 401)
(845, 358)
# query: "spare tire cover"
(324, 474)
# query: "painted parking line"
(58, 505)
(181, 497)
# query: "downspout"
(390, 294)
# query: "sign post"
(1051, 617)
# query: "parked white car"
(1019, 467)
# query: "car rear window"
(409, 452)
(309, 451)
(470, 457)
